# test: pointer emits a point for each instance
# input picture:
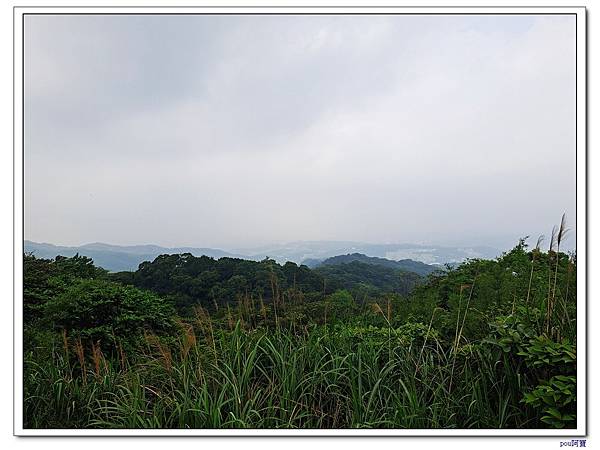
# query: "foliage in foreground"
(490, 344)
(321, 378)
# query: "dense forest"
(198, 342)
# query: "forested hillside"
(368, 280)
(407, 265)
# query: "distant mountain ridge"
(116, 258)
(407, 265)
(311, 253)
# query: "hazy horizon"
(241, 131)
(497, 245)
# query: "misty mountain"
(116, 258)
(312, 253)
(407, 265)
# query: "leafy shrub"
(100, 310)
(509, 332)
(557, 399)
(542, 351)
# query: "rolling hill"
(115, 258)
(407, 265)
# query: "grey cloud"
(215, 130)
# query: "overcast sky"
(230, 131)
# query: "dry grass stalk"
(389, 310)
(79, 351)
(263, 310)
(460, 293)
(275, 293)
(98, 359)
(377, 310)
(562, 232)
(418, 365)
(189, 340)
(65, 342)
(550, 256)
(462, 327)
(122, 357)
(229, 318)
(164, 351)
(558, 237)
(458, 334)
(534, 254)
(204, 320)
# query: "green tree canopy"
(101, 310)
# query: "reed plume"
(163, 350)
(79, 351)
(534, 254)
(98, 359)
(558, 237)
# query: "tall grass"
(281, 379)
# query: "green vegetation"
(407, 265)
(368, 280)
(187, 342)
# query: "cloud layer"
(242, 130)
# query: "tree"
(101, 310)
(44, 279)
(340, 306)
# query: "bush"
(101, 310)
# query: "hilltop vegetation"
(190, 341)
(368, 280)
(191, 281)
(407, 265)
